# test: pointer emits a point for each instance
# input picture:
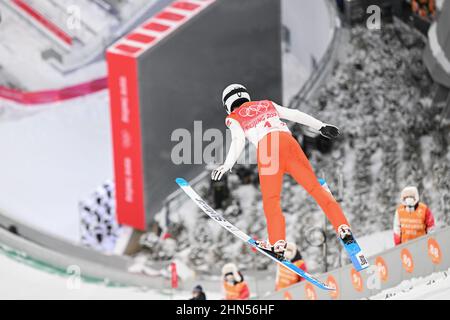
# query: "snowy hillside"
(38, 281)
(393, 135)
(380, 96)
(41, 187)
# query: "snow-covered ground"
(23, 278)
(53, 156)
(432, 287)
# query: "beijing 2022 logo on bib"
(254, 109)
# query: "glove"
(217, 174)
(329, 131)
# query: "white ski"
(185, 186)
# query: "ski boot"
(357, 257)
(277, 250)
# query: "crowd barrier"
(416, 258)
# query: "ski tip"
(327, 288)
(324, 286)
(181, 182)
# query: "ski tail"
(213, 214)
(352, 247)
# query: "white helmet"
(232, 94)
(410, 196)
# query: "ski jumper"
(279, 153)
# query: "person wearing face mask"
(233, 283)
(412, 219)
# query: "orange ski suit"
(292, 160)
(279, 153)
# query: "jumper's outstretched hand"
(329, 131)
(217, 174)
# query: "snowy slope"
(39, 282)
(433, 287)
(53, 156)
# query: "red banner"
(127, 146)
(49, 96)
